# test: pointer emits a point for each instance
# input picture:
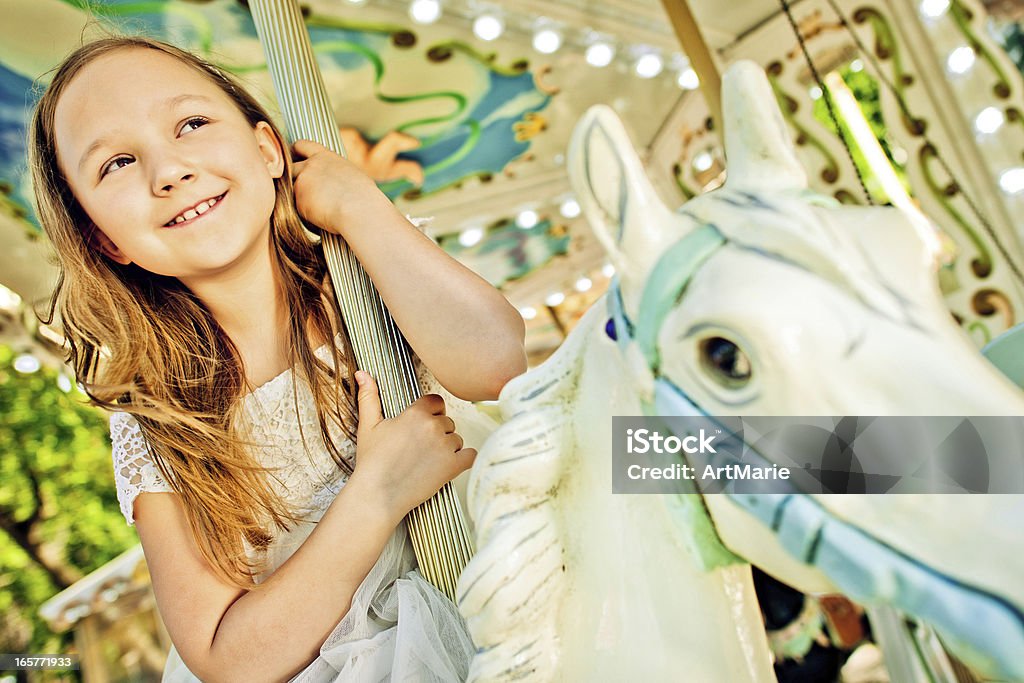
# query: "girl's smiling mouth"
(193, 212)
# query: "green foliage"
(57, 440)
(1012, 39)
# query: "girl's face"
(166, 166)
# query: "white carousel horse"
(757, 299)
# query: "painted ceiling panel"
(466, 131)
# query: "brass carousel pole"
(437, 528)
(696, 48)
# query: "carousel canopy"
(462, 111)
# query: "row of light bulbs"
(525, 219)
(989, 120)
(548, 38)
(959, 62)
(582, 284)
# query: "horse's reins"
(863, 567)
(665, 286)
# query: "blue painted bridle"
(860, 565)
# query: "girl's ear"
(270, 148)
(99, 240)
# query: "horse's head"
(765, 298)
(761, 298)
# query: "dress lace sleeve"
(134, 469)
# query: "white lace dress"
(399, 627)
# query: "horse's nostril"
(725, 361)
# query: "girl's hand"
(330, 191)
(406, 459)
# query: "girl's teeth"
(198, 210)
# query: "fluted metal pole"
(437, 528)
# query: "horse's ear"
(613, 191)
(759, 151)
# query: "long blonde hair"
(144, 344)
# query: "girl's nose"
(170, 172)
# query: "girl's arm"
(224, 633)
(462, 328)
(270, 633)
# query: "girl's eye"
(193, 123)
(114, 164)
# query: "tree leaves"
(58, 505)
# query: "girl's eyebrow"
(169, 103)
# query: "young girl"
(268, 496)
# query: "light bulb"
(600, 54)
(583, 284)
(471, 236)
(933, 9)
(425, 11)
(547, 40)
(528, 312)
(1012, 181)
(989, 120)
(702, 162)
(527, 219)
(554, 298)
(488, 27)
(570, 208)
(688, 79)
(649, 65)
(960, 60)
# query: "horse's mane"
(518, 572)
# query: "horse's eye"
(725, 362)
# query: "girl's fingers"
(432, 403)
(308, 148)
(456, 440)
(297, 167)
(370, 412)
(450, 428)
(466, 456)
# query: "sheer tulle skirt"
(399, 628)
